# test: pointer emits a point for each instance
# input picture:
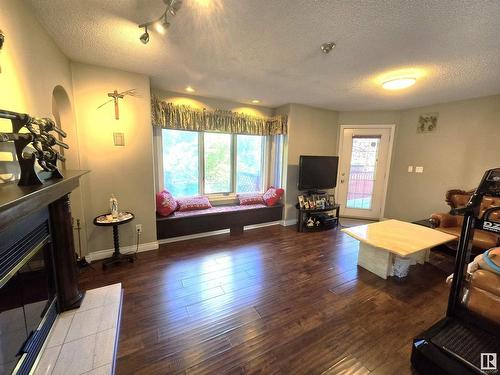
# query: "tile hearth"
(83, 341)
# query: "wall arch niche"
(65, 120)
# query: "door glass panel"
(217, 163)
(362, 170)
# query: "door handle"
(341, 181)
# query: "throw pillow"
(246, 199)
(272, 195)
(165, 203)
(193, 203)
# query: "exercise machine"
(463, 342)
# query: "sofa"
(452, 224)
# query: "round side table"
(104, 221)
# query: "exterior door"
(362, 177)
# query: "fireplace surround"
(38, 275)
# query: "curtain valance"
(184, 117)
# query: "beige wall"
(211, 103)
(126, 172)
(32, 68)
(311, 131)
(454, 156)
(465, 144)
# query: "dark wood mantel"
(19, 202)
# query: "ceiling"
(270, 50)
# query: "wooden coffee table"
(381, 242)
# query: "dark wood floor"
(271, 301)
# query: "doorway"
(365, 154)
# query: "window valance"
(184, 117)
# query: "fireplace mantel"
(17, 202)
(20, 202)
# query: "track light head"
(145, 37)
(327, 47)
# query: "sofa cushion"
(165, 203)
(482, 239)
(246, 199)
(193, 203)
(272, 195)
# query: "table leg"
(116, 241)
(117, 257)
(375, 260)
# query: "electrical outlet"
(138, 228)
(419, 169)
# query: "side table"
(105, 221)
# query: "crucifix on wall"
(115, 95)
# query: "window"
(217, 163)
(180, 155)
(249, 162)
(212, 163)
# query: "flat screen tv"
(318, 172)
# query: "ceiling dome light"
(145, 37)
(189, 89)
(255, 101)
(399, 83)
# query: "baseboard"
(192, 236)
(214, 233)
(103, 254)
(287, 223)
(261, 225)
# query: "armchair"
(452, 224)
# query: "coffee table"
(381, 242)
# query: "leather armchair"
(483, 297)
(452, 224)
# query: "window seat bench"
(233, 217)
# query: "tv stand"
(315, 192)
(326, 223)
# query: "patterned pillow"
(251, 198)
(165, 203)
(193, 203)
(272, 195)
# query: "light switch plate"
(419, 169)
(119, 139)
(410, 168)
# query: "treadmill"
(454, 344)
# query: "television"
(318, 172)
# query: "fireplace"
(38, 276)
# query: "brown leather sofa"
(483, 297)
(452, 224)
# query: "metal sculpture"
(42, 143)
(115, 95)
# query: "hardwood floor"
(271, 301)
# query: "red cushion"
(193, 203)
(272, 195)
(165, 203)
(246, 199)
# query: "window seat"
(233, 217)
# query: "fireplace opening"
(27, 294)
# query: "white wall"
(126, 172)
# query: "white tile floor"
(82, 341)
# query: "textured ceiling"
(269, 49)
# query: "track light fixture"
(161, 24)
(145, 37)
